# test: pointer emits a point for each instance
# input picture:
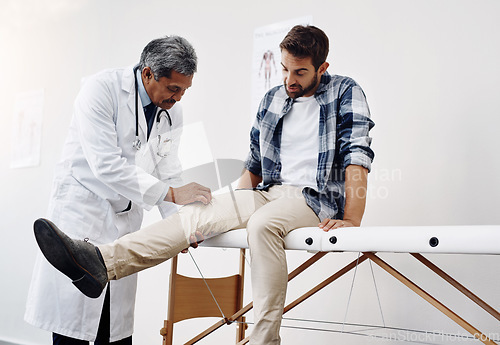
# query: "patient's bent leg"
(266, 231)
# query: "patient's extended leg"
(91, 267)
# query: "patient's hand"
(329, 224)
(195, 239)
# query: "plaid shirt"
(344, 123)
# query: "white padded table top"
(463, 239)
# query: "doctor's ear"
(147, 73)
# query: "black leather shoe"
(79, 260)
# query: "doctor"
(120, 157)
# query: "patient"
(308, 164)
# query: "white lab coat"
(99, 174)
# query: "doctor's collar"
(145, 100)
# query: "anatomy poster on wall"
(266, 60)
(27, 129)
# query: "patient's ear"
(322, 69)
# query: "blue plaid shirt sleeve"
(353, 127)
(253, 161)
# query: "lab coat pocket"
(164, 144)
(80, 213)
(128, 221)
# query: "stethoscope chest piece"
(137, 144)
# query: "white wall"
(430, 72)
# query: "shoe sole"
(63, 260)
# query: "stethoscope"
(162, 147)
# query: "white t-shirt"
(300, 143)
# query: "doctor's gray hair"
(169, 53)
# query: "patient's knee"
(193, 218)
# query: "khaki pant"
(268, 216)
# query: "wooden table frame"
(229, 294)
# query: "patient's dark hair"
(307, 41)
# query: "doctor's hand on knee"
(188, 194)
